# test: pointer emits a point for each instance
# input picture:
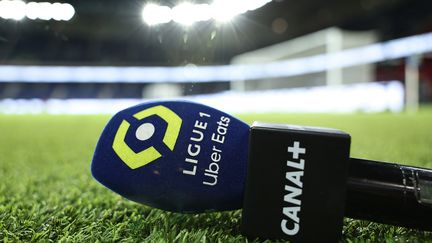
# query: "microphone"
(389, 193)
(186, 157)
(174, 155)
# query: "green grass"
(48, 194)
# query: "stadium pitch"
(47, 192)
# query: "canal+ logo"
(144, 132)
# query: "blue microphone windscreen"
(174, 155)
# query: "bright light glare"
(184, 14)
(57, 10)
(154, 14)
(65, 11)
(225, 11)
(202, 12)
(17, 10)
(32, 10)
(221, 15)
(45, 11)
(187, 13)
(12, 10)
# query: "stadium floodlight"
(187, 13)
(154, 14)
(202, 12)
(184, 14)
(45, 11)
(222, 13)
(66, 11)
(17, 10)
(32, 10)
(12, 10)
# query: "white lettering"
(197, 151)
(293, 192)
(299, 165)
(190, 172)
(294, 176)
(200, 136)
(292, 212)
(287, 231)
(193, 149)
(218, 138)
(202, 114)
(202, 125)
(215, 178)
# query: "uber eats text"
(195, 147)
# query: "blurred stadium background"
(263, 60)
(241, 56)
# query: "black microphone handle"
(389, 193)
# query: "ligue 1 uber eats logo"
(145, 131)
